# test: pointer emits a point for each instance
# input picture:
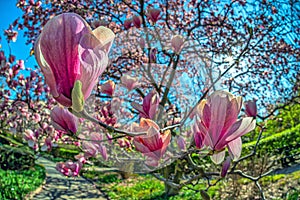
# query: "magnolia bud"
(137, 21)
(251, 108)
(127, 23)
(225, 166)
(77, 97)
(177, 42)
(108, 87)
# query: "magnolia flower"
(94, 147)
(129, 82)
(181, 143)
(137, 21)
(68, 51)
(153, 14)
(63, 120)
(225, 166)
(47, 145)
(219, 126)
(127, 23)
(153, 53)
(177, 43)
(154, 144)
(108, 87)
(11, 35)
(69, 168)
(149, 107)
(30, 137)
(251, 109)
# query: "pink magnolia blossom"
(219, 126)
(69, 168)
(30, 137)
(129, 82)
(154, 144)
(93, 147)
(80, 157)
(177, 43)
(108, 87)
(153, 14)
(63, 120)
(153, 53)
(225, 166)
(149, 107)
(36, 117)
(181, 143)
(11, 35)
(68, 50)
(47, 145)
(137, 21)
(251, 109)
(127, 23)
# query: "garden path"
(58, 186)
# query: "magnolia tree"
(172, 77)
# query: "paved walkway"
(58, 186)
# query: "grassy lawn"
(147, 187)
(16, 184)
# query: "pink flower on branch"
(108, 87)
(219, 126)
(137, 21)
(94, 146)
(67, 51)
(177, 42)
(129, 82)
(127, 23)
(251, 109)
(69, 168)
(149, 107)
(154, 144)
(225, 166)
(63, 120)
(153, 14)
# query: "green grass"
(16, 184)
(143, 187)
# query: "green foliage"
(142, 187)
(15, 158)
(286, 118)
(17, 184)
(270, 144)
(65, 152)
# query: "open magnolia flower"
(219, 126)
(149, 107)
(154, 144)
(68, 51)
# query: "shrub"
(15, 158)
(271, 144)
(17, 184)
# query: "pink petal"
(240, 128)
(177, 42)
(93, 63)
(218, 106)
(225, 166)
(218, 158)
(251, 109)
(59, 46)
(235, 148)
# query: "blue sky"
(8, 13)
